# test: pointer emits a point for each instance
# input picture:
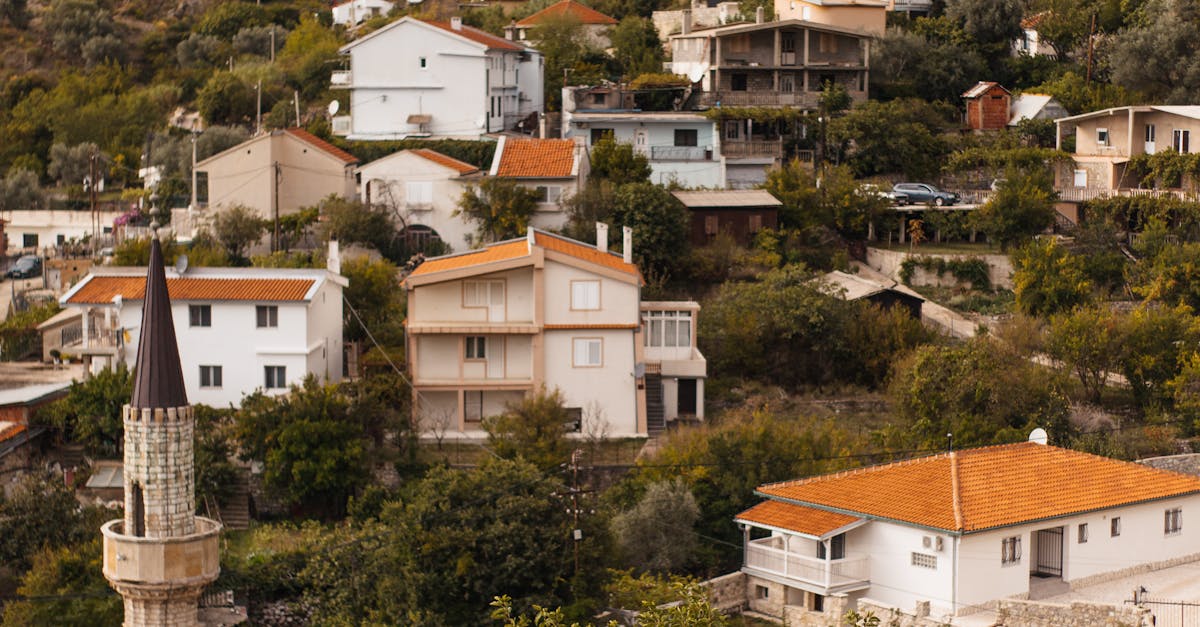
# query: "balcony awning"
(420, 118)
(817, 524)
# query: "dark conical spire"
(159, 379)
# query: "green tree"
(1048, 279)
(839, 202)
(226, 19)
(237, 227)
(533, 429)
(563, 43)
(70, 165)
(1158, 342)
(355, 222)
(988, 22)
(215, 473)
(660, 227)
(900, 136)
(39, 513)
(307, 55)
(90, 413)
(15, 12)
(1170, 276)
(618, 163)
(20, 190)
(1076, 93)
(500, 207)
(1155, 55)
(226, 99)
(373, 293)
(79, 596)
(636, 47)
(71, 23)
(914, 64)
(658, 533)
(1021, 208)
(1089, 341)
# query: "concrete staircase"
(235, 509)
(655, 413)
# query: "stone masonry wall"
(728, 592)
(1078, 614)
(158, 458)
(888, 262)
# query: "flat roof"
(719, 198)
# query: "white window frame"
(1181, 141)
(211, 377)
(1173, 521)
(668, 329)
(475, 347)
(200, 316)
(1082, 532)
(477, 293)
(274, 377)
(585, 295)
(418, 194)
(1150, 133)
(1102, 137)
(266, 316)
(1010, 551)
(587, 352)
(548, 194)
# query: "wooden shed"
(987, 106)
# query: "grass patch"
(941, 248)
(615, 452)
(992, 303)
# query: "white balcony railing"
(341, 125)
(680, 153)
(837, 574)
(340, 78)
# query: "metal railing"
(680, 153)
(1080, 194)
(769, 148)
(340, 78)
(833, 573)
(341, 125)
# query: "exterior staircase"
(655, 414)
(235, 509)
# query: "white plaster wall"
(48, 225)
(611, 386)
(325, 322)
(436, 357)
(443, 302)
(894, 580)
(618, 300)
(661, 133)
(531, 84)
(358, 11)
(385, 181)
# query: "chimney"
(334, 261)
(686, 28)
(602, 237)
(456, 23)
(627, 245)
(510, 31)
(758, 15)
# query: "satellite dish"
(1039, 436)
(181, 264)
(334, 107)
(480, 121)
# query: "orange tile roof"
(806, 520)
(514, 249)
(450, 162)
(102, 289)
(985, 488)
(321, 144)
(10, 430)
(569, 8)
(478, 36)
(537, 158)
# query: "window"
(266, 316)
(548, 193)
(422, 63)
(1173, 521)
(1010, 550)
(1115, 527)
(712, 225)
(761, 592)
(418, 193)
(210, 376)
(924, 561)
(483, 293)
(597, 99)
(1081, 178)
(473, 405)
(274, 377)
(787, 83)
(588, 353)
(1181, 141)
(737, 82)
(202, 188)
(585, 295)
(574, 419)
(200, 315)
(668, 328)
(29, 240)
(686, 137)
(1102, 136)
(755, 223)
(1150, 133)
(476, 347)
(601, 133)
(1083, 533)
(733, 129)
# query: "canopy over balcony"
(806, 549)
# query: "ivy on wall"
(972, 270)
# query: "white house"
(489, 326)
(962, 529)
(595, 24)
(35, 230)
(554, 168)
(415, 78)
(354, 12)
(683, 147)
(239, 329)
(423, 188)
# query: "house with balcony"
(683, 147)
(555, 169)
(422, 78)
(276, 173)
(865, 16)
(675, 369)
(959, 530)
(239, 329)
(422, 188)
(489, 326)
(1106, 141)
(351, 13)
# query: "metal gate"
(1168, 613)
(1049, 552)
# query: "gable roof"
(981, 88)
(461, 167)
(1029, 106)
(807, 521)
(534, 158)
(727, 198)
(569, 8)
(321, 144)
(519, 248)
(980, 489)
(478, 36)
(856, 287)
(207, 284)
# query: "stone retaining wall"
(728, 592)
(1077, 614)
(888, 262)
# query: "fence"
(1169, 613)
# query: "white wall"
(611, 386)
(48, 225)
(385, 181)
(443, 302)
(894, 580)
(325, 322)
(358, 11)
(660, 133)
(618, 299)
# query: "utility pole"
(258, 108)
(192, 205)
(275, 233)
(296, 101)
(95, 216)
(1091, 47)
(576, 533)
(272, 43)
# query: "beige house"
(865, 16)
(489, 326)
(422, 187)
(1105, 141)
(276, 173)
(556, 169)
(594, 23)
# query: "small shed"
(886, 295)
(987, 106)
(18, 404)
(1035, 107)
(739, 212)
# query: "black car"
(25, 267)
(924, 193)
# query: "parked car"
(923, 193)
(25, 267)
(893, 196)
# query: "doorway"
(1048, 552)
(686, 401)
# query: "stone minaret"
(161, 555)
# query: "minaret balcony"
(181, 560)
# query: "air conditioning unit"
(927, 541)
(932, 542)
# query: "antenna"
(1039, 436)
(181, 264)
(334, 107)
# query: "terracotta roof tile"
(806, 520)
(102, 289)
(585, 14)
(536, 158)
(514, 249)
(308, 137)
(996, 486)
(10, 430)
(478, 36)
(450, 162)
(585, 252)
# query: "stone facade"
(728, 592)
(159, 467)
(1077, 614)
